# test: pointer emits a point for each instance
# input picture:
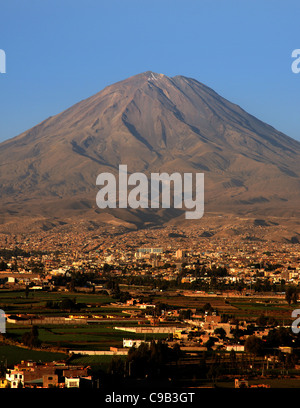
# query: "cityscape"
(161, 305)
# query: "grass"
(14, 355)
(16, 302)
(96, 337)
(93, 360)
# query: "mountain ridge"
(152, 123)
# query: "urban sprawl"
(173, 306)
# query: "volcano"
(151, 123)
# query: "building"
(16, 378)
(212, 318)
(148, 251)
(32, 374)
(50, 380)
(78, 382)
(239, 383)
(181, 253)
(133, 343)
(235, 347)
(72, 382)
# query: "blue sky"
(62, 51)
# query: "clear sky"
(59, 52)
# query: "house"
(235, 347)
(72, 382)
(75, 371)
(78, 382)
(213, 319)
(50, 380)
(133, 343)
(47, 375)
(16, 378)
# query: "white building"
(72, 382)
(235, 347)
(15, 377)
(133, 343)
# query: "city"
(201, 311)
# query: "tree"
(291, 294)
(254, 345)
(150, 360)
(176, 352)
(30, 339)
(185, 314)
(279, 337)
(139, 359)
(116, 367)
(210, 343)
(35, 331)
(219, 331)
(70, 304)
(207, 307)
(262, 320)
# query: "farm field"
(249, 308)
(254, 307)
(101, 335)
(96, 337)
(93, 361)
(38, 303)
(13, 355)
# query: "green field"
(102, 335)
(246, 308)
(13, 355)
(95, 337)
(253, 308)
(94, 360)
(36, 303)
(16, 301)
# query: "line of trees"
(146, 361)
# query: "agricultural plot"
(93, 360)
(96, 337)
(10, 355)
(16, 302)
(253, 308)
(242, 308)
